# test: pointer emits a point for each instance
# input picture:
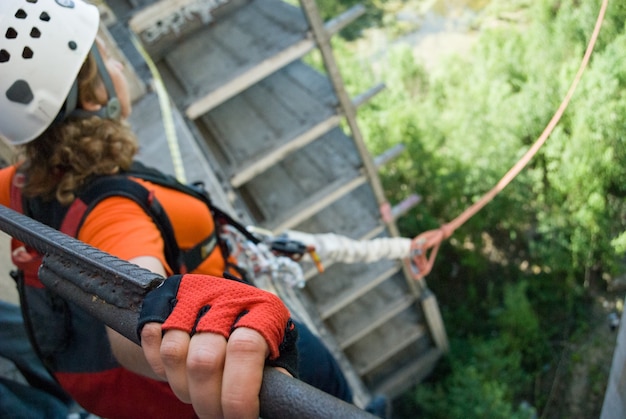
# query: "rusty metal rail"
(112, 290)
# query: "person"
(205, 339)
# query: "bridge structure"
(222, 93)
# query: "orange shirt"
(120, 227)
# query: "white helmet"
(43, 45)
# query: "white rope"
(334, 248)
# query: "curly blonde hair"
(67, 154)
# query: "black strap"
(52, 213)
(108, 186)
(197, 190)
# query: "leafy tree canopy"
(512, 281)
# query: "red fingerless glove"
(203, 303)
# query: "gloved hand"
(202, 303)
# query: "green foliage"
(520, 328)
(330, 9)
(558, 225)
(466, 123)
(483, 375)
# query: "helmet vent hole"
(72, 45)
(27, 53)
(35, 33)
(11, 33)
(4, 55)
(31, 1)
(21, 14)
(45, 17)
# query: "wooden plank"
(389, 155)
(354, 215)
(349, 295)
(161, 25)
(203, 63)
(314, 204)
(245, 80)
(339, 22)
(377, 300)
(340, 277)
(313, 83)
(289, 19)
(222, 58)
(330, 157)
(387, 351)
(293, 45)
(328, 165)
(405, 206)
(432, 313)
(323, 42)
(368, 95)
(371, 348)
(413, 372)
(238, 140)
(375, 322)
(291, 81)
(271, 119)
(253, 167)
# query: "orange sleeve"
(122, 228)
(6, 177)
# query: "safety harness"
(69, 219)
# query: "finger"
(205, 364)
(151, 335)
(246, 352)
(173, 353)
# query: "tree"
(527, 258)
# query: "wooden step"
(270, 63)
(311, 180)
(220, 60)
(386, 350)
(310, 131)
(313, 204)
(368, 325)
(361, 287)
(355, 215)
(398, 382)
(405, 206)
(389, 155)
(254, 166)
(274, 127)
(161, 25)
(235, 52)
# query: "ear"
(91, 106)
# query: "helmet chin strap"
(112, 109)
